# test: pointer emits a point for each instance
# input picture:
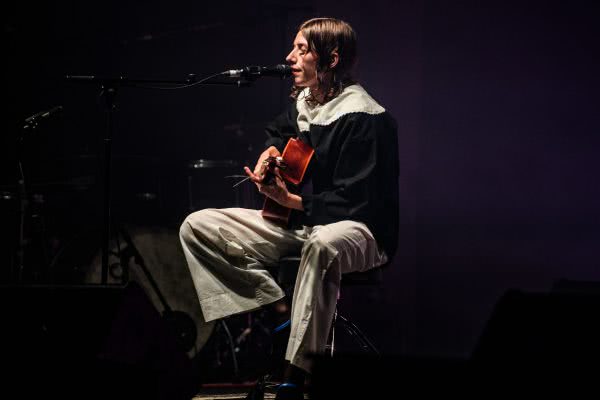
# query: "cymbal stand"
(30, 125)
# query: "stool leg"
(331, 347)
(236, 371)
(358, 335)
(335, 314)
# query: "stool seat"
(373, 276)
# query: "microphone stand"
(109, 87)
(30, 124)
(23, 206)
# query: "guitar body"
(297, 156)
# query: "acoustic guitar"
(292, 166)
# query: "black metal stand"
(23, 207)
(30, 125)
(109, 89)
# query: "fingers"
(258, 169)
(272, 152)
(253, 176)
(261, 164)
(277, 172)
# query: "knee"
(320, 255)
(196, 223)
(344, 237)
(318, 243)
(185, 230)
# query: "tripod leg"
(236, 372)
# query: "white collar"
(353, 99)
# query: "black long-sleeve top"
(353, 174)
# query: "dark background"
(496, 104)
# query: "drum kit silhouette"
(150, 199)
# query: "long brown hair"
(324, 36)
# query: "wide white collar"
(353, 99)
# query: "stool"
(286, 277)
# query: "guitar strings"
(245, 178)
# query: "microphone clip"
(253, 72)
(250, 73)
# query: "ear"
(335, 58)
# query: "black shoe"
(289, 391)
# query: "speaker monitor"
(549, 329)
(533, 343)
(386, 376)
(91, 342)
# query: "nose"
(290, 59)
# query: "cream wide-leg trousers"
(228, 250)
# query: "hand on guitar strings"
(276, 189)
(264, 161)
(268, 180)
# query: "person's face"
(303, 63)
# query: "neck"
(319, 95)
(319, 91)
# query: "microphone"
(32, 121)
(44, 114)
(252, 72)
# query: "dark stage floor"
(230, 391)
